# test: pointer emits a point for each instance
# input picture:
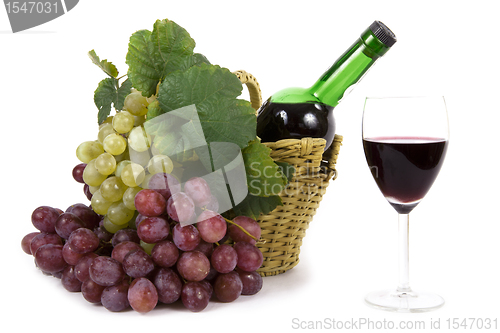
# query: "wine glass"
(405, 140)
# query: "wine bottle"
(294, 113)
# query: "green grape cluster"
(113, 177)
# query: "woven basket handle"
(252, 86)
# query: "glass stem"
(403, 233)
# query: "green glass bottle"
(294, 113)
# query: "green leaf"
(121, 93)
(213, 90)
(172, 44)
(264, 176)
(105, 65)
(104, 97)
(252, 206)
(287, 169)
(107, 95)
(142, 71)
(194, 60)
(153, 55)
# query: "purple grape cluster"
(178, 250)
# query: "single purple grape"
(197, 189)
(195, 296)
(250, 258)
(168, 285)
(66, 223)
(137, 263)
(193, 266)
(78, 172)
(153, 230)
(186, 238)
(83, 265)
(224, 258)
(106, 271)
(212, 226)
(228, 287)
(83, 240)
(69, 280)
(49, 258)
(150, 203)
(165, 254)
(26, 241)
(115, 297)
(247, 223)
(91, 291)
(142, 295)
(181, 208)
(252, 282)
(70, 256)
(44, 219)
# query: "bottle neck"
(334, 84)
(349, 69)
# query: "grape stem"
(241, 228)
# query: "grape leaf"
(264, 176)
(104, 96)
(153, 55)
(107, 95)
(287, 169)
(121, 93)
(252, 206)
(105, 65)
(213, 91)
(142, 71)
(172, 44)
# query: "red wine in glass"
(404, 168)
(405, 141)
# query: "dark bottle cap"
(383, 33)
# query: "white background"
(447, 48)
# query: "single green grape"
(133, 174)
(110, 226)
(123, 122)
(105, 129)
(160, 163)
(91, 176)
(136, 104)
(115, 144)
(142, 158)
(89, 150)
(93, 189)
(109, 120)
(129, 197)
(112, 189)
(119, 214)
(120, 166)
(139, 120)
(147, 246)
(138, 139)
(105, 164)
(99, 204)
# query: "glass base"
(404, 301)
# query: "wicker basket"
(284, 228)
